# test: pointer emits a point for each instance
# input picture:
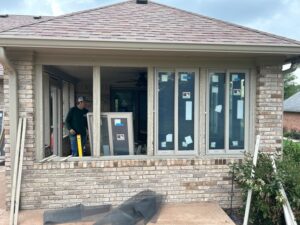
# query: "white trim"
(97, 110)
(39, 120)
(150, 110)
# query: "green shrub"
(289, 171)
(266, 203)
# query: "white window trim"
(226, 150)
(176, 150)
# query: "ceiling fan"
(140, 81)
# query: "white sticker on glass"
(213, 144)
(184, 77)
(215, 78)
(164, 78)
(120, 137)
(118, 123)
(218, 108)
(169, 138)
(188, 140)
(184, 144)
(188, 110)
(163, 144)
(215, 90)
(186, 95)
(235, 143)
(240, 109)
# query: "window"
(227, 107)
(176, 111)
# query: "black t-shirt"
(76, 120)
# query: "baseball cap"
(80, 99)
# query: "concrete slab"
(204, 213)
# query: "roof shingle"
(292, 104)
(152, 22)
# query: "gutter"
(295, 64)
(68, 43)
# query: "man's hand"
(73, 132)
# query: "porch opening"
(123, 92)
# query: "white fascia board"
(146, 46)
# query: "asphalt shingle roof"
(152, 22)
(292, 104)
(12, 21)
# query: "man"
(76, 123)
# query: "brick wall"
(56, 184)
(269, 108)
(1, 94)
(291, 121)
(26, 106)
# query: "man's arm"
(69, 120)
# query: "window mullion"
(176, 83)
(227, 90)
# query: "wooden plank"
(48, 158)
(15, 173)
(66, 158)
(249, 196)
(20, 169)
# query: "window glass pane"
(166, 110)
(216, 110)
(186, 99)
(237, 111)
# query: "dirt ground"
(207, 213)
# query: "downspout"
(13, 103)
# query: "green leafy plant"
(267, 201)
(266, 204)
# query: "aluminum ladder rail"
(287, 210)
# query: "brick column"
(269, 108)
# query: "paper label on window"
(186, 95)
(1, 114)
(235, 143)
(215, 90)
(164, 78)
(236, 92)
(118, 123)
(240, 109)
(120, 137)
(215, 78)
(188, 110)
(218, 108)
(184, 144)
(163, 144)
(169, 138)
(184, 77)
(188, 140)
(235, 77)
(213, 144)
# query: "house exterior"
(8, 22)
(210, 88)
(291, 115)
